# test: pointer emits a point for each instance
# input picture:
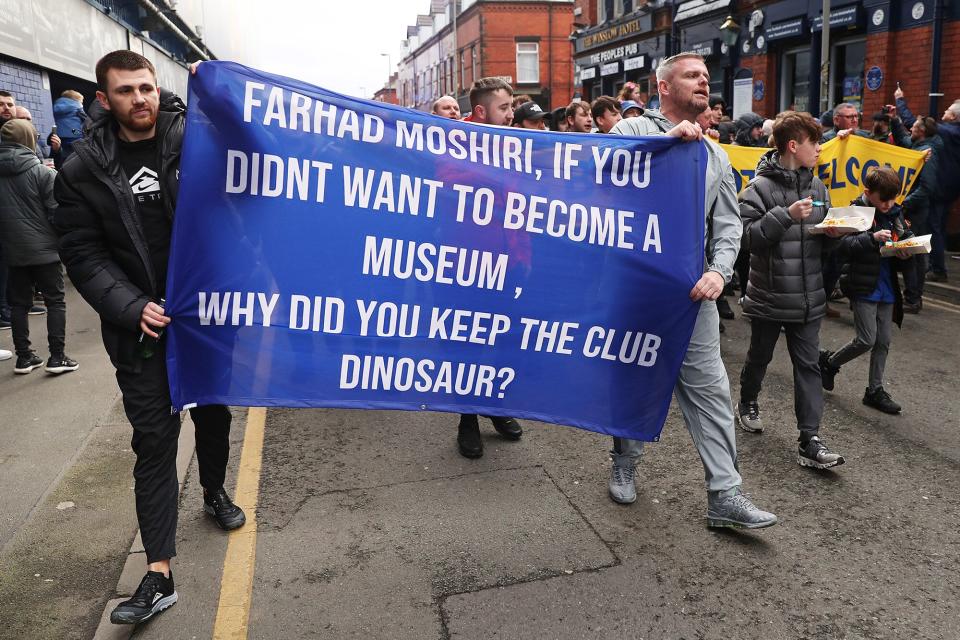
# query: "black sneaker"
(814, 453)
(154, 594)
(27, 363)
(227, 515)
(61, 364)
(880, 399)
(827, 371)
(4, 324)
(913, 307)
(468, 436)
(507, 427)
(37, 310)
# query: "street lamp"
(389, 65)
(729, 31)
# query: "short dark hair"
(485, 87)
(7, 94)
(603, 104)
(883, 181)
(577, 105)
(795, 125)
(718, 100)
(124, 60)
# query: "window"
(473, 68)
(528, 62)
(795, 80)
(846, 71)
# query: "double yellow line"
(236, 584)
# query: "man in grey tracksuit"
(702, 391)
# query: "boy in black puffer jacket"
(870, 281)
(785, 289)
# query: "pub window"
(528, 62)
(795, 80)
(617, 8)
(846, 71)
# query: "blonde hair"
(73, 95)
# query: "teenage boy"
(872, 286)
(606, 113)
(779, 207)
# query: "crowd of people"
(111, 230)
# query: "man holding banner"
(116, 198)
(490, 104)
(702, 390)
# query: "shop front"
(612, 55)
(698, 28)
(789, 34)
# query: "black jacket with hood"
(26, 206)
(102, 241)
(860, 255)
(786, 260)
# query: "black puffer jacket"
(102, 242)
(786, 260)
(26, 205)
(860, 255)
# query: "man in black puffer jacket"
(870, 281)
(30, 246)
(779, 207)
(117, 194)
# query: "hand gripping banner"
(336, 252)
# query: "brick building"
(774, 59)
(48, 46)
(524, 41)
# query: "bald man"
(446, 107)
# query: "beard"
(127, 119)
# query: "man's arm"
(91, 267)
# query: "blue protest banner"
(335, 252)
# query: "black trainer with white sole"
(154, 594)
(61, 364)
(26, 364)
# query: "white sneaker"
(5, 355)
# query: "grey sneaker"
(814, 453)
(748, 415)
(732, 508)
(623, 480)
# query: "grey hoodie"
(26, 206)
(722, 226)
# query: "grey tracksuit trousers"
(703, 393)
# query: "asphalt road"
(370, 525)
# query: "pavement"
(368, 524)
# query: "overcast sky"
(330, 43)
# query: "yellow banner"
(842, 165)
(744, 161)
